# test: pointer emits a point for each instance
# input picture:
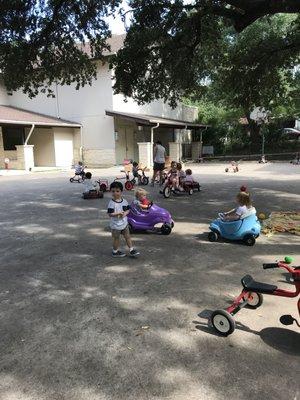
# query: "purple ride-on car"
(150, 219)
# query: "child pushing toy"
(118, 209)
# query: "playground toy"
(140, 220)
(78, 177)
(252, 297)
(247, 229)
(93, 194)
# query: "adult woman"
(159, 158)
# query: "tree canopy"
(171, 47)
(39, 41)
(174, 50)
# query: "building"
(92, 124)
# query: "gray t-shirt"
(118, 223)
(160, 154)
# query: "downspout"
(81, 145)
(29, 134)
(152, 142)
(201, 141)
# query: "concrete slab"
(76, 324)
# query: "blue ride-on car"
(246, 229)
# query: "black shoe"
(134, 253)
(118, 254)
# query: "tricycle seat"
(250, 284)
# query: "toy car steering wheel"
(150, 205)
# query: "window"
(12, 136)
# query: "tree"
(174, 49)
(254, 73)
(39, 42)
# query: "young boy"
(118, 209)
(88, 184)
(79, 168)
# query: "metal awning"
(17, 116)
(151, 120)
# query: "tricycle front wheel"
(223, 322)
(167, 192)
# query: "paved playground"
(76, 324)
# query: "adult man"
(159, 159)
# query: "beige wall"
(86, 106)
(43, 141)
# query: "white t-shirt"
(160, 154)
(241, 210)
(117, 206)
(189, 178)
(78, 169)
(88, 185)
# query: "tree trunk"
(255, 135)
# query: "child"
(135, 171)
(79, 168)
(118, 209)
(173, 176)
(181, 173)
(189, 176)
(88, 184)
(244, 204)
(141, 199)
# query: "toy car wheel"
(249, 240)
(166, 229)
(71, 180)
(103, 187)
(167, 192)
(128, 185)
(199, 188)
(145, 180)
(254, 300)
(223, 322)
(226, 169)
(213, 236)
(190, 191)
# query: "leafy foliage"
(172, 50)
(39, 41)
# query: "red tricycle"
(103, 185)
(168, 189)
(129, 183)
(251, 296)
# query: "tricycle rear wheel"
(254, 300)
(223, 322)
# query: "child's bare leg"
(128, 238)
(116, 243)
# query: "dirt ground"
(76, 324)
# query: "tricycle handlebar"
(270, 265)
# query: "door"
(63, 149)
(124, 145)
